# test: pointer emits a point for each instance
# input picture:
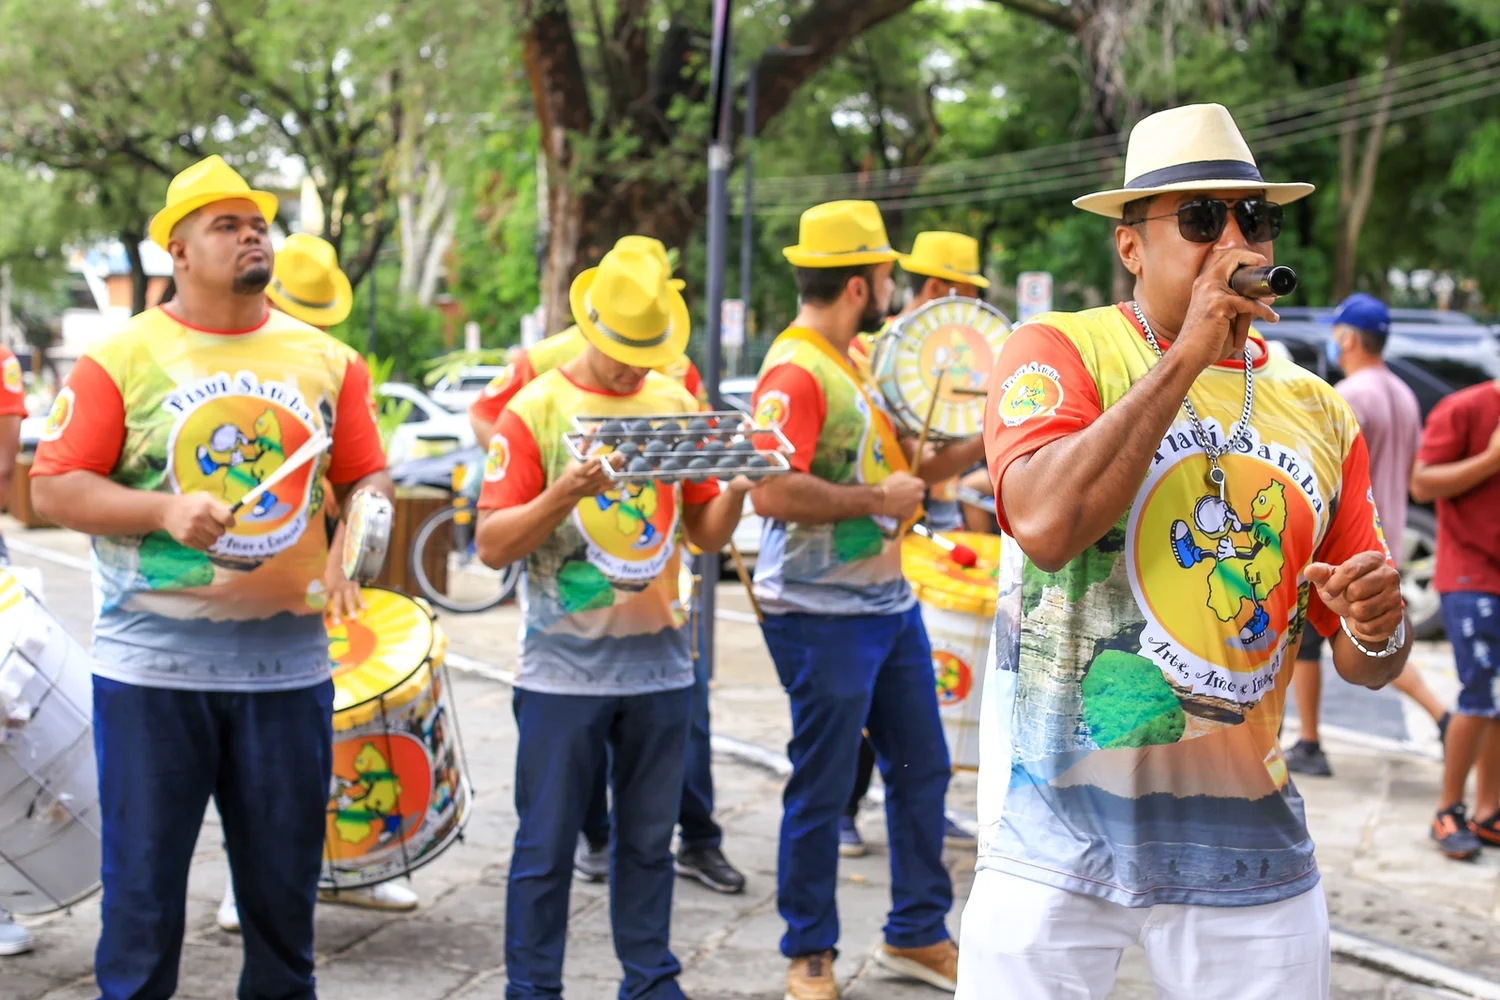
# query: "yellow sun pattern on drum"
(956, 339)
(390, 639)
(938, 580)
(11, 591)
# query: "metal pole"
(370, 339)
(747, 166)
(718, 231)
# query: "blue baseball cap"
(1363, 312)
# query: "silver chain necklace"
(1240, 431)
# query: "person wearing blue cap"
(1391, 419)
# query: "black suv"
(1434, 353)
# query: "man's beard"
(872, 319)
(253, 281)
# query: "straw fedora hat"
(204, 183)
(1196, 147)
(307, 283)
(656, 248)
(628, 309)
(948, 256)
(841, 234)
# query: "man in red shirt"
(1459, 468)
(14, 939)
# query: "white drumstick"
(314, 447)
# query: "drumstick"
(960, 391)
(744, 575)
(937, 392)
(312, 449)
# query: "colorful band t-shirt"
(601, 608)
(12, 404)
(162, 406)
(1129, 737)
(841, 435)
(559, 349)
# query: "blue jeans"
(1472, 620)
(844, 673)
(696, 814)
(265, 759)
(560, 741)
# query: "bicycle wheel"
(446, 564)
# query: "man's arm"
(805, 499)
(509, 534)
(88, 502)
(1451, 479)
(10, 444)
(1365, 591)
(711, 525)
(951, 460)
(1066, 495)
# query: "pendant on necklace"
(1216, 478)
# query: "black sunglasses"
(1202, 220)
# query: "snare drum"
(399, 795)
(49, 791)
(958, 608)
(956, 337)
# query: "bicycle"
(445, 546)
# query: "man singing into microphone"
(1182, 505)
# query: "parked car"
(1435, 353)
(458, 391)
(429, 429)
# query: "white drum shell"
(965, 637)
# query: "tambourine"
(367, 535)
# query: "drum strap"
(884, 429)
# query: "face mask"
(1331, 350)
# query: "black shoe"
(1450, 828)
(1308, 758)
(709, 866)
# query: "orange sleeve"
(789, 397)
(699, 493)
(693, 383)
(1355, 529)
(12, 388)
(356, 434)
(86, 428)
(501, 388)
(1040, 391)
(513, 472)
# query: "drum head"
(943, 583)
(390, 641)
(956, 338)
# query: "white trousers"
(1023, 940)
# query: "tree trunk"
(1355, 192)
(138, 279)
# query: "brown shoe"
(935, 965)
(810, 977)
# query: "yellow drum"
(399, 794)
(958, 608)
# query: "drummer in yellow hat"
(526, 364)
(605, 668)
(171, 445)
(841, 621)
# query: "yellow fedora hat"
(949, 256)
(307, 283)
(204, 183)
(628, 309)
(841, 234)
(656, 248)
(1196, 147)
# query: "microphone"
(1263, 282)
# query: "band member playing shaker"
(605, 658)
(699, 854)
(210, 653)
(841, 622)
(1182, 504)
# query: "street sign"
(732, 323)
(1033, 294)
(471, 337)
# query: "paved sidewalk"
(1384, 880)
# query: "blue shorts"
(1472, 619)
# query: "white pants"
(1023, 940)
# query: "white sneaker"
(229, 912)
(385, 896)
(14, 939)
